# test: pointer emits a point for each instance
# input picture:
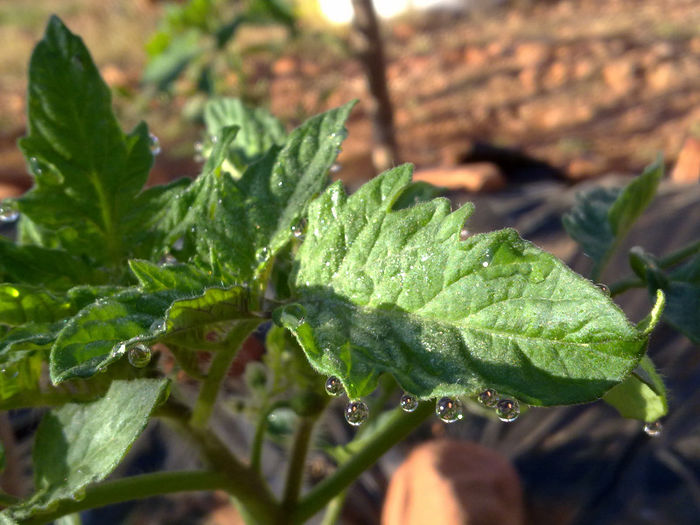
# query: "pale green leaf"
(398, 292)
(641, 396)
(81, 444)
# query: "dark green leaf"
(88, 173)
(641, 396)
(398, 292)
(21, 304)
(602, 217)
(417, 192)
(681, 287)
(53, 269)
(80, 444)
(19, 375)
(258, 130)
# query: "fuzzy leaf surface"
(398, 292)
(80, 444)
(235, 226)
(180, 296)
(88, 173)
(601, 217)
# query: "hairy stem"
(679, 255)
(217, 371)
(137, 487)
(295, 473)
(392, 430)
(334, 509)
(625, 284)
(259, 438)
(246, 485)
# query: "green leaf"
(52, 269)
(641, 396)
(165, 67)
(236, 227)
(179, 296)
(24, 340)
(258, 130)
(417, 192)
(681, 287)
(20, 304)
(81, 444)
(398, 292)
(87, 172)
(602, 217)
(19, 375)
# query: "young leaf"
(258, 130)
(398, 292)
(80, 444)
(641, 396)
(88, 173)
(602, 216)
(237, 226)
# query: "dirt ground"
(590, 86)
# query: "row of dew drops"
(448, 409)
(10, 213)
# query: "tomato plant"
(108, 277)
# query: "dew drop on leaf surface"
(139, 355)
(333, 386)
(356, 413)
(8, 212)
(408, 403)
(653, 429)
(154, 144)
(449, 409)
(507, 410)
(488, 397)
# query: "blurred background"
(515, 105)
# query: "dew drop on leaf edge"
(507, 410)
(488, 397)
(408, 402)
(653, 429)
(154, 144)
(356, 413)
(139, 355)
(157, 326)
(449, 409)
(8, 212)
(604, 288)
(463, 234)
(333, 386)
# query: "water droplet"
(158, 326)
(198, 146)
(507, 410)
(449, 409)
(294, 314)
(262, 255)
(408, 403)
(603, 288)
(356, 413)
(298, 231)
(653, 429)
(139, 355)
(34, 166)
(485, 264)
(333, 386)
(168, 258)
(154, 144)
(8, 212)
(463, 234)
(335, 168)
(488, 398)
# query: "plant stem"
(392, 430)
(259, 438)
(626, 284)
(677, 256)
(295, 473)
(6, 500)
(246, 485)
(137, 487)
(334, 509)
(217, 371)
